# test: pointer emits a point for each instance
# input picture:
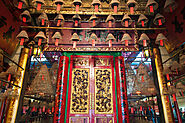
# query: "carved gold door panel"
(91, 96)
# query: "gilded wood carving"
(80, 91)
(103, 91)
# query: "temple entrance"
(91, 97)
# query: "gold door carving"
(80, 91)
(103, 91)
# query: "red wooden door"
(91, 90)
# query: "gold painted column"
(13, 107)
(162, 87)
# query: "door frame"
(92, 68)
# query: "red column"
(60, 98)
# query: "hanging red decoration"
(126, 23)
(160, 22)
(96, 8)
(174, 97)
(43, 109)
(110, 43)
(151, 9)
(132, 110)
(9, 77)
(144, 43)
(142, 23)
(20, 5)
(24, 110)
(42, 22)
(115, 9)
(38, 6)
(141, 108)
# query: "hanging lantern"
(126, 39)
(43, 19)
(57, 36)
(93, 21)
(126, 21)
(76, 19)
(132, 5)
(114, 5)
(40, 38)
(21, 4)
(159, 19)
(170, 5)
(77, 4)
(152, 5)
(93, 38)
(75, 38)
(59, 4)
(144, 40)
(23, 37)
(143, 20)
(160, 39)
(110, 20)
(38, 4)
(110, 39)
(25, 16)
(59, 20)
(96, 4)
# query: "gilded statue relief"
(80, 91)
(103, 91)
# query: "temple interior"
(92, 61)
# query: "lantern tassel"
(39, 42)
(110, 43)
(58, 7)
(24, 19)
(142, 23)
(96, 8)
(159, 21)
(56, 42)
(126, 23)
(58, 22)
(126, 42)
(22, 41)
(132, 110)
(151, 9)
(38, 6)
(20, 5)
(131, 10)
(110, 23)
(77, 8)
(93, 42)
(74, 44)
(9, 77)
(115, 9)
(76, 22)
(168, 76)
(94, 23)
(43, 109)
(42, 22)
(161, 43)
(144, 43)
